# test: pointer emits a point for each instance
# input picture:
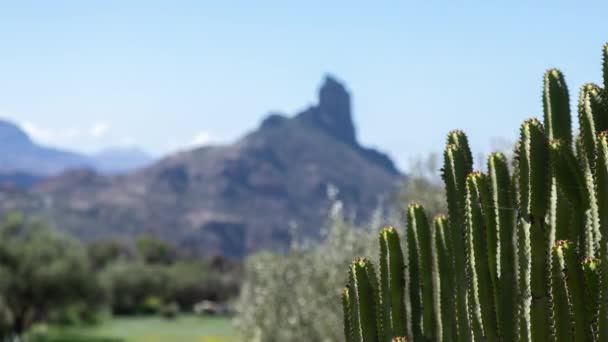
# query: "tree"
(106, 251)
(41, 271)
(155, 251)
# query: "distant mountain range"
(232, 199)
(120, 159)
(22, 161)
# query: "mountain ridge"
(231, 199)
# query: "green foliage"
(42, 273)
(102, 253)
(154, 251)
(292, 296)
(131, 284)
(525, 256)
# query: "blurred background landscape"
(188, 171)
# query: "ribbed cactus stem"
(446, 275)
(524, 291)
(480, 254)
(459, 139)
(534, 191)
(591, 232)
(414, 275)
(503, 207)
(605, 65)
(436, 285)
(419, 223)
(556, 107)
(590, 121)
(457, 165)
(346, 311)
(571, 182)
(364, 300)
(567, 170)
(557, 122)
(591, 273)
(575, 283)
(562, 314)
(392, 283)
(601, 173)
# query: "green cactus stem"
(534, 198)
(562, 313)
(480, 255)
(503, 207)
(457, 165)
(445, 305)
(601, 174)
(346, 310)
(419, 226)
(364, 302)
(414, 274)
(591, 270)
(392, 283)
(556, 107)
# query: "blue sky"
(168, 74)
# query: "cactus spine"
(519, 257)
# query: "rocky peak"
(333, 112)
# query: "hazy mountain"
(24, 162)
(121, 159)
(231, 199)
(19, 154)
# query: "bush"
(294, 297)
(131, 284)
(152, 305)
(41, 273)
(170, 311)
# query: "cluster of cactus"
(522, 254)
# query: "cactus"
(502, 206)
(534, 195)
(479, 236)
(561, 303)
(419, 226)
(392, 281)
(364, 302)
(457, 164)
(444, 305)
(521, 255)
(346, 308)
(601, 188)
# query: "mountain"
(24, 162)
(231, 199)
(19, 154)
(121, 159)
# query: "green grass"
(149, 329)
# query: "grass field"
(150, 329)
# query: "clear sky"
(167, 74)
